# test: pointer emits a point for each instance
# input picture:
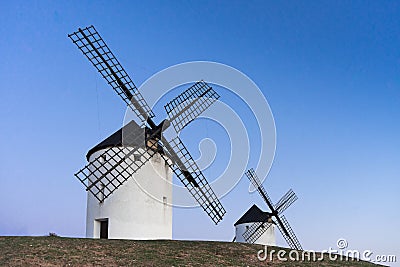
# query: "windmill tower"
(133, 211)
(138, 156)
(261, 229)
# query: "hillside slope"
(57, 251)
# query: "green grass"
(59, 251)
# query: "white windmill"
(138, 160)
(258, 227)
(252, 216)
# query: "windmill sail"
(286, 201)
(257, 229)
(89, 41)
(187, 171)
(251, 174)
(108, 171)
(190, 104)
(288, 233)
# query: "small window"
(247, 227)
(102, 189)
(164, 200)
(157, 158)
(136, 157)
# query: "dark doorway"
(104, 229)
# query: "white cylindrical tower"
(139, 208)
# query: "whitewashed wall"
(133, 213)
(267, 238)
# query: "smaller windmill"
(275, 217)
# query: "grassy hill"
(58, 251)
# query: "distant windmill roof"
(254, 214)
(116, 138)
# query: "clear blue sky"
(329, 69)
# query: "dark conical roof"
(254, 214)
(119, 137)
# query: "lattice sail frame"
(288, 199)
(102, 177)
(89, 41)
(251, 174)
(190, 104)
(193, 179)
(257, 229)
(108, 171)
(293, 242)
